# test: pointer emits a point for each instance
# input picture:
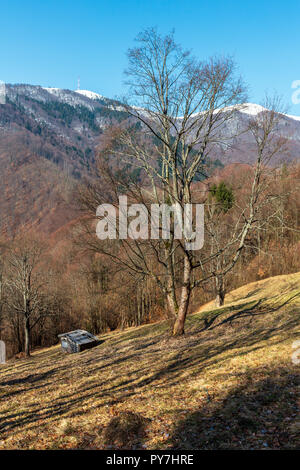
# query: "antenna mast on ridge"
(78, 83)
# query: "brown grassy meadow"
(229, 383)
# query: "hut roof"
(79, 336)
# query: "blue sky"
(51, 43)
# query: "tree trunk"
(178, 328)
(172, 304)
(220, 299)
(220, 292)
(27, 336)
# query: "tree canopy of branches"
(178, 110)
(27, 293)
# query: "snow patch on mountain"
(70, 97)
(90, 94)
(296, 118)
(55, 91)
(252, 108)
(247, 108)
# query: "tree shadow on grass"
(189, 357)
(241, 309)
(29, 379)
(142, 363)
(125, 431)
(259, 415)
(246, 310)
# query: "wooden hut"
(77, 341)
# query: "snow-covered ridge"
(90, 94)
(296, 118)
(252, 109)
(80, 97)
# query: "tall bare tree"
(1, 285)
(230, 221)
(26, 285)
(182, 107)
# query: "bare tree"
(182, 106)
(257, 203)
(26, 285)
(1, 286)
(220, 218)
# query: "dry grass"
(229, 383)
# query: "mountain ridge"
(49, 138)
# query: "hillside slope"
(229, 383)
(49, 139)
